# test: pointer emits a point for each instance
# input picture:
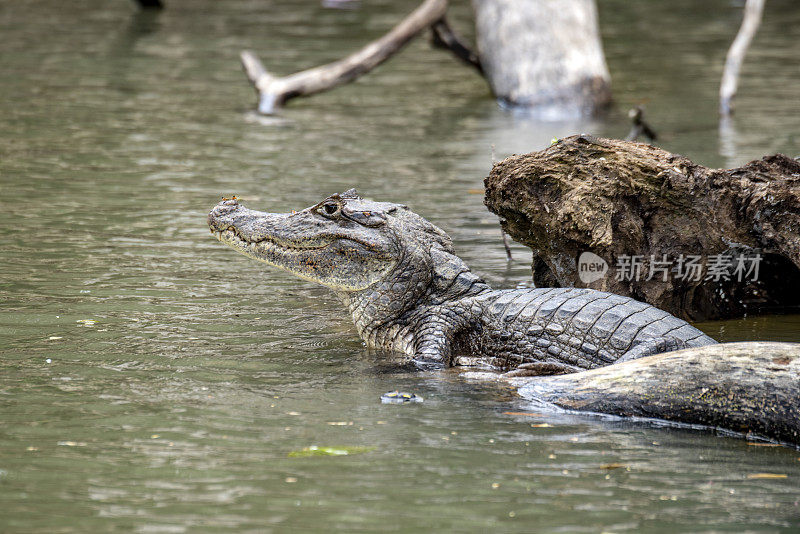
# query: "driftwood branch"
(752, 388)
(274, 92)
(445, 37)
(753, 10)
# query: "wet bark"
(633, 203)
(443, 36)
(753, 388)
(543, 53)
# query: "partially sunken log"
(699, 243)
(752, 388)
(543, 53)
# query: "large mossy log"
(622, 200)
(752, 388)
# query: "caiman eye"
(330, 208)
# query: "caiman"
(407, 291)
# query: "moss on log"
(752, 388)
(620, 199)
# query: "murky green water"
(152, 380)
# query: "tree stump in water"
(752, 388)
(543, 53)
(656, 219)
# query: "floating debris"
(399, 397)
(766, 475)
(53, 338)
(88, 323)
(314, 450)
(529, 414)
(615, 466)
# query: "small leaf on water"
(315, 450)
(541, 425)
(767, 475)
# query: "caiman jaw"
(303, 243)
(230, 236)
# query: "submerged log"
(752, 388)
(699, 243)
(543, 53)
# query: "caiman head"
(379, 256)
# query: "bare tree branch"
(273, 91)
(753, 10)
(444, 37)
(640, 126)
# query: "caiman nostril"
(217, 215)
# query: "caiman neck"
(404, 312)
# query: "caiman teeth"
(234, 235)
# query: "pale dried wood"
(274, 92)
(753, 11)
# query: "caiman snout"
(219, 216)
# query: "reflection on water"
(152, 380)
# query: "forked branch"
(274, 92)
